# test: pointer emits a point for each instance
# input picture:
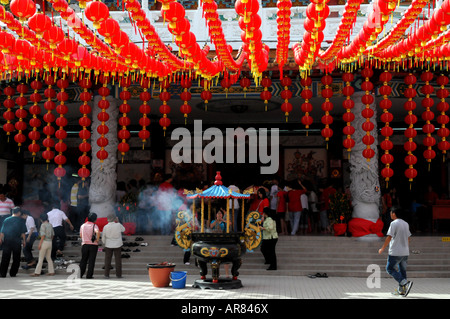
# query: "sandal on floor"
(34, 275)
(51, 274)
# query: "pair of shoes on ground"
(318, 275)
(125, 256)
(139, 239)
(403, 290)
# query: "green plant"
(340, 208)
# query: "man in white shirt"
(56, 218)
(398, 237)
(112, 239)
(6, 204)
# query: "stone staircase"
(297, 256)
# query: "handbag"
(94, 235)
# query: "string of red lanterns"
(367, 99)
(386, 145)
(124, 121)
(306, 106)
(144, 109)
(283, 32)
(286, 94)
(61, 122)
(164, 109)
(348, 117)
(21, 114)
(34, 122)
(84, 121)
(327, 106)
(185, 96)
(428, 128)
(49, 118)
(266, 95)
(8, 115)
(443, 132)
(103, 117)
(410, 146)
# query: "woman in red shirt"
(264, 200)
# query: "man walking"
(56, 218)
(12, 236)
(398, 237)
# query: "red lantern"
(53, 36)
(39, 22)
(245, 84)
(23, 9)
(96, 12)
(206, 94)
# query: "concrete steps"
(297, 256)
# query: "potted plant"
(340, 212)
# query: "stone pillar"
(102, 192)
(365, 186)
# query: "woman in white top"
(112, 239)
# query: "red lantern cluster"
(387, 131)
(61, 122)
(283, 32)
(185, 96)
(123, 134)
(348, 117)
(266, 95)
(367, 99)
(21, 114)
(144, 109)
(35, 123)
(8, 115)
(443, 132)
(164, 109)
(84, 121)
(306, 106)
(103, 117)
(286, 94)
(327, 106)
(49, 118)
(410, 133)
(428, 128)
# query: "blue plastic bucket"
(178, 279)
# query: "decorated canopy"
(218, 191)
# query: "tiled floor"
(254, 287)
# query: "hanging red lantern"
(35, 110)
(286, 94)
(367, 113)
(103, 117)
(410, 133)
(84, 122)
(306, 106)
(49, 118)
(8, 115)
(53, 36)
(61, 122)
(348, 116)
(23, 9)
(96, 12)
(144, 121)
(443, 119)
(427, 116)
(21, 114)
(164, 109)
(206, 94)
(327, 106)
(386, 131)
(124, 120)
(185, 96)
(39, 22)
(266, 95)
(245, 84)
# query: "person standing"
(56, 218)
(12, 236)
(397, 238)
(6, 205)
(73, 207)
(31, 236)
(90, 234)
(112, 239)
(269, 240)
(295, 206)
(46, 233)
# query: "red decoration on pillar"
(145, 96)
(286, 94)
(410, 119)
(164, 109)
(49, 118)
(327, 106)
(443, 132)
(85, 134)
(21, 114)
(266, 95)
(124, 135)
(386, 131)
(427, 116)
(103, 117)
(8, 115)
(367, 113)
(35, 110)
(185, 96)
(348, 116)
(306, 107)
(61, 134)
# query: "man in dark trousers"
(12, 236)
(398, 237)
